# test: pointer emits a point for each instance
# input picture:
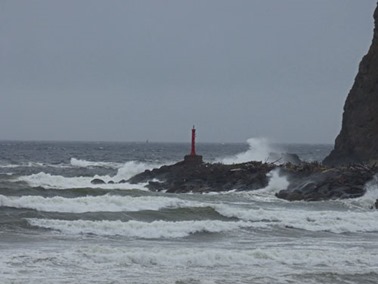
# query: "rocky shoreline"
(307, 181)
(185, 177)
(316, 182)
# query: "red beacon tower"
(193, 151)
(193, 158)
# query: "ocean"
(57, 227)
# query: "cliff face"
(358, 139)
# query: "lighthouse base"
(193, 159)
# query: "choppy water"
(56, 227)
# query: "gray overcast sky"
(136, 70)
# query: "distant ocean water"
(57, 227)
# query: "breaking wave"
(324, 220)
(132, 168)
(35, 165)
(349, 258)
(153, 230)
(258, 261)
(50, 181)
(368, 200)
(327, 221)
(88, 164)
(260, 149)
(124, 172)
(314, 221)
(104, 203)
(276, 183)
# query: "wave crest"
(260, 149)
(153, 230)
(89, 164)
(104, 203)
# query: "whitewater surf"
(58, 227)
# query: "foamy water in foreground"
(57, 227)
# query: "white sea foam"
(270, 259)
(34, 165)
(88, 164)
(126, 171)
(153, 230)
(132, 168)
(276, 181)
(369, 198)
(10, 166)
(76, 262)
(259, 150)
(104, 203)
(329, 221)
(50, 181)
(183, 257)
(24, 165)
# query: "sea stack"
(358, 138)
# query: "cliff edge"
(358, 138)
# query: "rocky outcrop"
(205, 177)
(97, 181)
(357, 141)
(307, 181)
(328, 183)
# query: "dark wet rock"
(376, 204)
(111, 182)
(307, 181)
(97, 181)
(156, 186)
(327, 184)
(291, 158)
(357, 141)
(205, 177)
(284, 158)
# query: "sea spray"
(132, 168)
(276, 182)
(260, 149)
(368, 200)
